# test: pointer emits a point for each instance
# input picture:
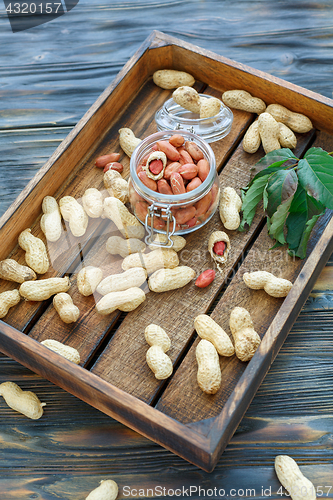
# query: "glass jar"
(172, 116)
(168, 213)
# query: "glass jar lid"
(172, 116)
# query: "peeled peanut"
(295, 121)
(133, 277)
(269, 131)
(194, 151)
(74, 214)
(36, 255)
(7, 300)
(128, 224)
(63, 304)
(209, 371)
(240, 99)
(209, 106)
(64, 350)
(43, 289)
(88, 279)
(171, 78)
(251, 139)
(127, 140)
(286, 137)
(115, 185)
(170, 279)
(276, 287)
(159, 362)
(230, 206)
(208, 329)
(107, 490)
(188, 98)
(157, 259)
(103, 160)
(11, 270)
(92, 202)
(126, 300)
(246, 338)
(50, 222)
(116, 245)
(25, 402)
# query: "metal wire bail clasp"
(155, 210)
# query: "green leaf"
(278, 220)
(278, 155)
(304, 212)
(315, 173)
(251, 199)
(281, 186)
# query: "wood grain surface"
(48, 79)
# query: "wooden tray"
(114, 376)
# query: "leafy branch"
(294, 195)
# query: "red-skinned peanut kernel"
(196, 182)
(205, 278)
(177, 140)
(141, 210)
(219, 247)
(177, 183)
(101, 161)
(164, 187)
(183, 215)
(184, 156)
(203, 169)
(113, 166)
(188, 171)
(170, 151)
(156, 166)
(192, 222)
(169, 169)
(194, 150)
(203, 204)
(149, 183)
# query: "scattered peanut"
(25, 402)
(276, 287)
(291, 478)
(36, 255)
(269, 131)
(103, 160)
(43, 289)
(107, 490)
(133, 277)
(7, 300)
(205, 278)
(127, 300)
(74, 214)
(208, 329)
(209, 371)
(159, 362)
(127, 140)
(240, 99)
(128, 224)
(219, 247)
(92, 202)
(116, 245)
(64, 350)
(286, 136)
(50, 222)
(171, 79)
(157, 259)
(115, 185)
(11, 270)
(295, 121)
(178, 241)
(209, 106)
(63, 304)
(170, 279)
(88, 279)
(188, 98)
(230, 206)
(251, 139)
(246, 338)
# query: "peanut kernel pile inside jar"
(174, 171)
